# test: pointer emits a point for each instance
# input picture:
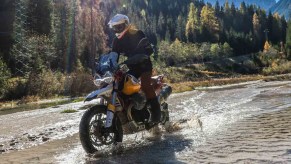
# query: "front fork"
(111, 106)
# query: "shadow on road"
(163, 151)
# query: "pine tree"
(192, 25)
(243, 8)
(20, 50)
(91, 38)
(277, 29)
(161, 25)
(180, 30)
(257, 29)
(38, 16)
(288, 39)
(210, 22)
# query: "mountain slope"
(265, 4)
(283, 7)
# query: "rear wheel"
(93, 135)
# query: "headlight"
(98, 82)
(101, 81)
(107, 80)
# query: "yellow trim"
(111, 107)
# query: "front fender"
(98, 92)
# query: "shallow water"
(246, 123)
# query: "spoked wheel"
(93, 135)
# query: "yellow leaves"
(267, 46)
(193, 21)
(208, 19)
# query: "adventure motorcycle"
(122, 107)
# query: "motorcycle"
(122, 108)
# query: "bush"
(179, 53)
(4, 76)
(269, 56)
(79, 83)
(45, 84)
(278, 67)
(16, 88)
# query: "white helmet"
(118, 19)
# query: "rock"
(12, 144)
(172, 127)
(64, 128)
(24, 134)
(31, 138)
(195, 123)
(44, 139)
(2, 150)
(1, 145)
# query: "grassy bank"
(191, 85)
(185, 76)
(177, 88)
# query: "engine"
(138, 100)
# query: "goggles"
(119, 28)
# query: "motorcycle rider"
(133, 43)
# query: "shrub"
(179, 53)
(79, 83)
(4, 75)
(279, 67)
(16, 88)
(45, 84)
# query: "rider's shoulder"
(135, 31)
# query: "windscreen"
(107, 62)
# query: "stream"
(241, 123)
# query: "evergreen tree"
(20, 51)
(288, 39)
(210, 22)
(192, 25)
(277, 29)
(4, 75)
(39, 17)
(284, 28)
(243, 8)
(226, 7)
(180, 30)
(217, 8)
(257, 31)
(161, 25)
(91, 36)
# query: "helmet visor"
(119, 28)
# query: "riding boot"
(155, 110)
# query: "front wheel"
(93, 135)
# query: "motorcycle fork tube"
(111, 107)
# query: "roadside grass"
(69, 111)
(277, 68)
(191, 85)
(78, 99)
(86, 107)
(268, 66)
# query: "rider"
(133, 43)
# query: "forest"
(48, 47)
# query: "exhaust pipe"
(165, 93)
